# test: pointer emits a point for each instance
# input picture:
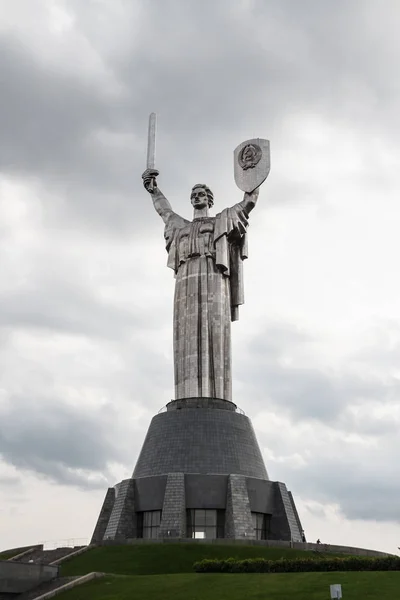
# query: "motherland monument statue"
(200, 472)
(206, 255)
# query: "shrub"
(298, 565)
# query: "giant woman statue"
(206, 256)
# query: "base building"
(200, 474)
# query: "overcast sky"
(85, 295)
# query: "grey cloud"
(9, 481)
(75, 444)
(63, 308)
(243, 75)
(381, 347)
(45, 116)
(259, 65)
(363, 485)
(371, 424)
(59, 442)
(49, 122)
(307, 392)
(359, 477)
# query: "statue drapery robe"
(206, 256)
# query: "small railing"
(66, 543)
(235, 409)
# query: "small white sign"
(336, 591)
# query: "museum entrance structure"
(200, 473)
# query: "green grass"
(6, 554)
(150, 559)
(296, 586)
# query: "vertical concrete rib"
(173, 518)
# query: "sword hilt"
(150, 179)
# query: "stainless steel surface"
(151, 141)
(207, 255)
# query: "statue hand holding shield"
(251, 164)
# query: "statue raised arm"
(160, 202)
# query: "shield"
(251, 164)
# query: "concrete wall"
(297, 517)
(238, 520)
(104, 517)
(284, 525)
(173, 521)
(16, 578)
(261, 495)
(174, 493)
(149, 493)
(206, 491)
(122, 523)
(200, 440)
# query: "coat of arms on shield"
(251, 164)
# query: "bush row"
(297, 565)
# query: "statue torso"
(196, 239)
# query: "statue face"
(199, 198)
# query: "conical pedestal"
(200, 474)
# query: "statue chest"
(197, 238)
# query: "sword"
(151, 146)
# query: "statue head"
(201, 196)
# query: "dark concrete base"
(18, 577)
(235, 496)
(199, 454)
(200, 435)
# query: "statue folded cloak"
(206, 255)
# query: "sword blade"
(151, 141)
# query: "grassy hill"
(6, 554)
(165, 571)
(294, 586)
(152, 559)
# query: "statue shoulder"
(173, 224)
(231, 220)
(175, 221)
